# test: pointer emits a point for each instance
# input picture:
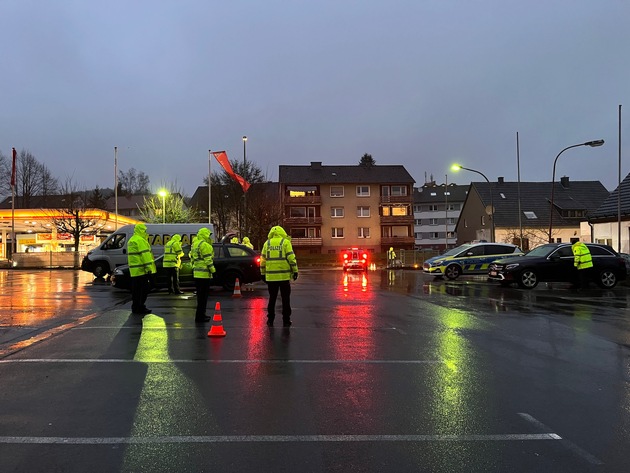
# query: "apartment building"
(330, 208)
(436, 208)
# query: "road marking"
(566, 443)
(114, 360)
(45, 335)
(273, 438)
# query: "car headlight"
(512, 266)
(437, 263)
(117, 272)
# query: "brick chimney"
(316, 164)
(564, 182)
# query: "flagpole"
(13, 171)
(209, 186)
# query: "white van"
(112, 252)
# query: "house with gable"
(610, 222)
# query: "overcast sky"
(422, 83)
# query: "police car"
(471, 258)
(355, 258)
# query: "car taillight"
(345, 256)
(257, 260)
(365, 256)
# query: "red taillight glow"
(365, 256)
(345, 256)
(257, 260)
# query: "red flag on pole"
(222, 158)
(13, 168)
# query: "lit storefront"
(34, 230)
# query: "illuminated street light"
(457, 167)
(592, 144)
(162, 194)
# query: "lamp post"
(162, 194)
(592, 144)
(244, 193)
(457, 167)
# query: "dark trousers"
(584, 277)
(203, 290)
(285, 293)
(140, 287)
(173, 279)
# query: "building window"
(452, 207)
(433, 208)
(336, 212)
(396, 211)
(298, 232)
(417, 208)
(433, 221)
(363, 211)
(451, 221)
(530, 215)
(417, 221)
(483, 220)
(337, 232)
(363, 191)
(297, 212)
(434, 235)
(364, 232)
(399, 190)
(336, 191)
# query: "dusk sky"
(422, 83)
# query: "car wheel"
(607, 279)
(101, 270)
(528, 279)
(453, 271)
(229, 280)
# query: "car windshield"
(456, 251)
(543, 250)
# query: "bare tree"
(5, 175)
(32, 178)
(133, 182)
(74, 217)
(264, 210)
(96, 199)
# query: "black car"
(230, 260)
(553, 262)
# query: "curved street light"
(457, 167)
(592, 144)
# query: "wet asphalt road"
(389, 372)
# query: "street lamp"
(592, 144)
(457, 167)
(244, 149)
(244, 193)
(162, 194)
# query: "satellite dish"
(489, 210)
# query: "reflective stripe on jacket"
(581, 256)
(172, 254)
(139, 256)
(277, 260)
(202, 257)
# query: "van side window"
(498, 249)
(115, 242)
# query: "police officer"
(141, 268)
(247, 243)
(278, 266)
(583, 261)
(391, 257)
(202, 257)
(234, 240)
(172, 262)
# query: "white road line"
(113, 360)
(273, 438)
(566, 443)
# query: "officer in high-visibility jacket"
(391, 257)
(278, 266)
(172, 262)
(234, 240)
(141, 268)
(202, 258)
(583, 261)
(247, 243)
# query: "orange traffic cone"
(237, 289)
(217, 323)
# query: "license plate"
(493, 273)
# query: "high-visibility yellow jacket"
(139, 255)
(277, 259)
(173, 252)
(202, 255)
(581, 256)
(391, 254)
(247, 243)
(234, 240)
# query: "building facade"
(327, 209)
(436, 209)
